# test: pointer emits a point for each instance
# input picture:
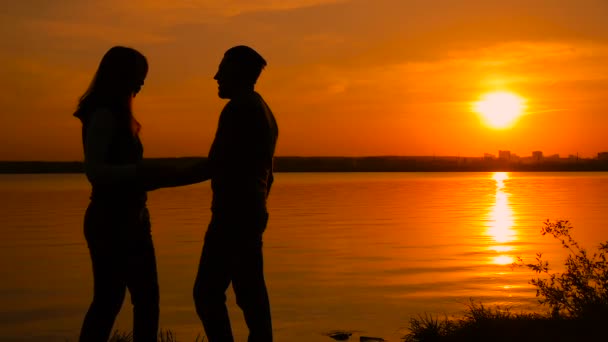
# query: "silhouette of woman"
(117, 222)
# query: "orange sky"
(354, 78)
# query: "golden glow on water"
(502, 249)
(501, 222)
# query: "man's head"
(238, 71)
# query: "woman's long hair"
(119, 76)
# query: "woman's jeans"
(122, 254)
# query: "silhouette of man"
(240, 166)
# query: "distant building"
(504, 155)
(488, 156)
(537, 155)
(553, 157)
(602, 156)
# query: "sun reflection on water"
(500, 178)
(501, 219)
(503, 260)
(501, 222)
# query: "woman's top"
(111, 155)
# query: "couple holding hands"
(117, 222)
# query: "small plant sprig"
(581, 291)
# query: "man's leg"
(250, 289)
(210, 287)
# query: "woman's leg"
(142, 281)
(108, 295)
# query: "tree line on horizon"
(358, 164)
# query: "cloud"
(542, 70)
(98, 32)
(224, 8)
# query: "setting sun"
(500, 109)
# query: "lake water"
(351, 251)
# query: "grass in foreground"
(481, 323)
(163, 336)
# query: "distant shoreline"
(361, 164)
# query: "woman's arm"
(147, 174)
(270, 181)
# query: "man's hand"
(155, 174)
